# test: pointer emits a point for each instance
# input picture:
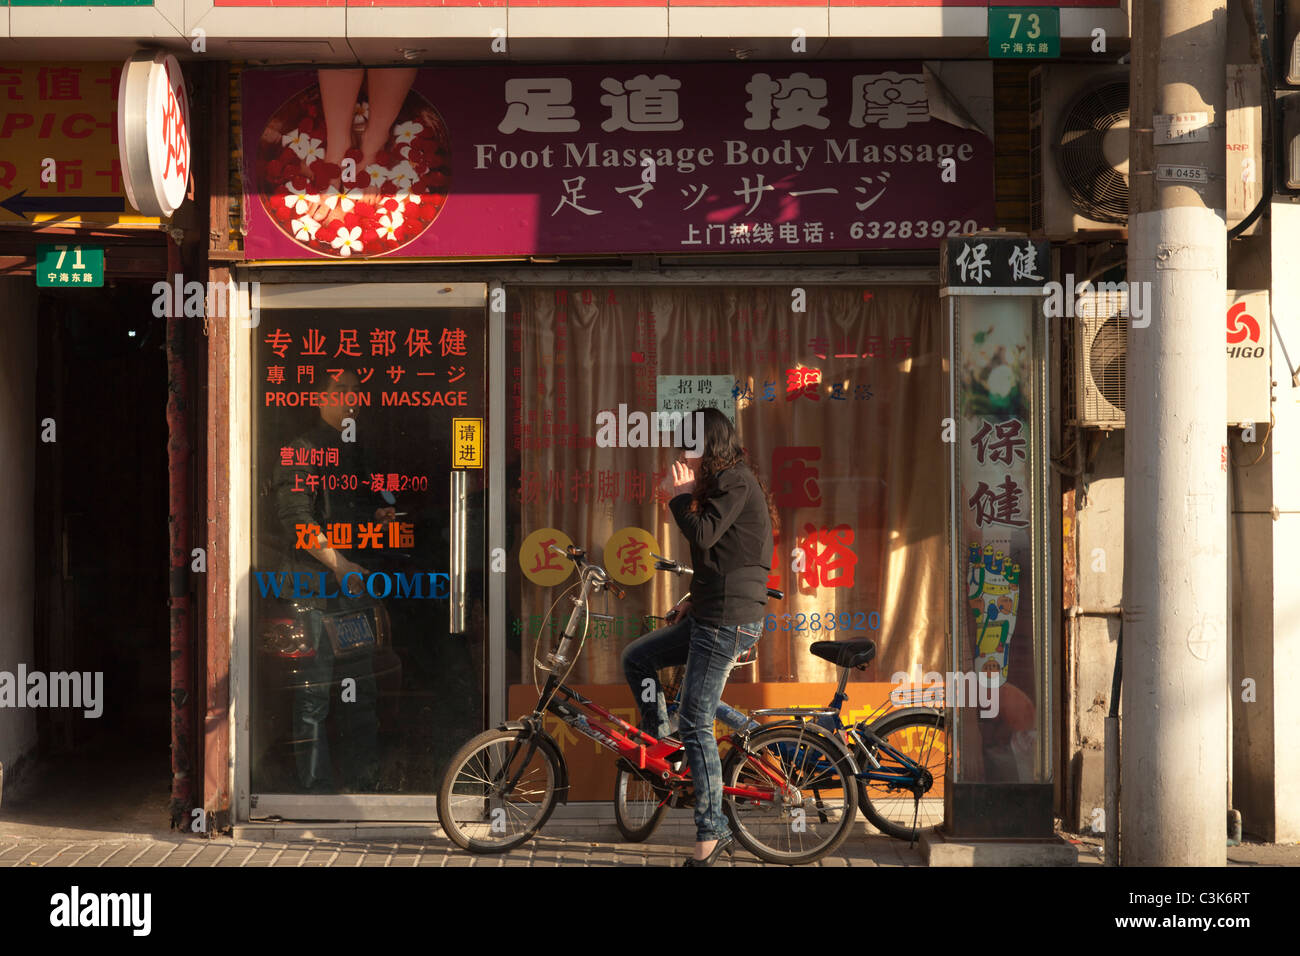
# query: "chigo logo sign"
(1243, 330)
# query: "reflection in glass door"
(367, 586)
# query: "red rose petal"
(369, 235)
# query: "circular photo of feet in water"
(392, 190)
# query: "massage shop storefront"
(457, 270)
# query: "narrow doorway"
(101, 559)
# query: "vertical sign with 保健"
(993, 287)
(467, 443)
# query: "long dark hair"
(723, 450)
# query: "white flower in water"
(299, 200)
(304, 229)
(292, 138)
(406, 132)
(388, 225)
(378, 174)
(403, 196)
(404, 176)
(347, 240)
(313, 150)
(343, 200)
(360, 112)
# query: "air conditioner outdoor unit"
(1100, 347)
(1078, 145)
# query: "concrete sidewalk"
(126, 825)
(563, 843)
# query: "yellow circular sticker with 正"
(539, 563)
(628, 555)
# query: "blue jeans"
(709, 651)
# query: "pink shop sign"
(652, 158)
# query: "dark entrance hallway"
(101, 560)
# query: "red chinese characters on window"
(802, 381)
(829, 561)
(632, 554)
(794, 481)
(546, 559)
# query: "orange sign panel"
(59, 157)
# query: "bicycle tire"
(808, 760)
(637, 817)
(467, 813)
(892, 811)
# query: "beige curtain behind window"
(874, 442)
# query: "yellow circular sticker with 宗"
(627, 555)
(539, 563)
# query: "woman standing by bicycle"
(728, 519)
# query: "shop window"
(840, 407)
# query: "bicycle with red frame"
(784, 791)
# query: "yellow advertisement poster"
(59, 158)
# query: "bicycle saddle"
(855, 652)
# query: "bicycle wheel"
(638, 806)
(894, 809)
(812, 807)
(474, 811)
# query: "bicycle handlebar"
(676, 567)
(577, 556)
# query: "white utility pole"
(1172, 804)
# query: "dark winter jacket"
(731, 548)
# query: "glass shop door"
(367, 584)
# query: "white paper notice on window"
(688, 393)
